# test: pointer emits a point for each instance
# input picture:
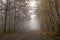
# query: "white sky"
(4, 1)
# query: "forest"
(17, 15)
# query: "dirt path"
(26, 36)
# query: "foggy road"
(30, 31)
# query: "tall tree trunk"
(50, 14)
(58, 16)
(15, 19)
(6, 16)
(9, 16)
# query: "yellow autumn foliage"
(46, 19)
